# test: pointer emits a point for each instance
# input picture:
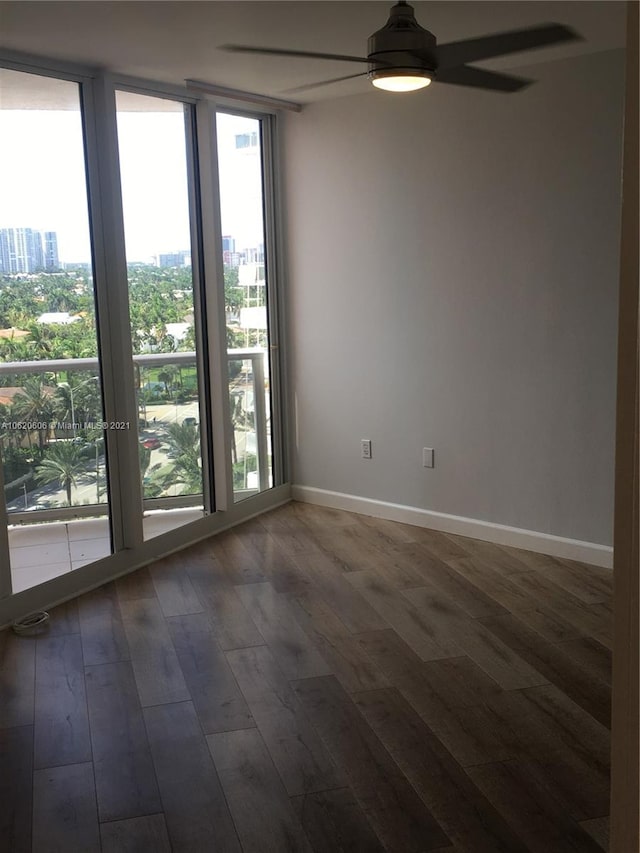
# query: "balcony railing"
(159, 405)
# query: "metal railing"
(255, 375)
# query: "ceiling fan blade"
(481, 79)
(473, 50)
(324, 83)
(274, 51)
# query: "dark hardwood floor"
(315, 680)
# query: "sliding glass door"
(138, 378)
(52, 421)
(165, 305)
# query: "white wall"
(453, 275)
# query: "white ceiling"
(171, 41)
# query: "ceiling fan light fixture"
(391, 81)
(404, 57)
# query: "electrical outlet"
(365, 448)
(427, 457)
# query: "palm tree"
(167, 375)
(184, 448)
(79, 400)
(40, 338)
(63, 463)
(33, 403)
(7, 435)
(95, 436)
(235, 403)
(145, 460)
(17, 349)
(153, 482)
(62, 401)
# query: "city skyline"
(43, 257)
(27, 250)
(45, 189)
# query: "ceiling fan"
(403, 56)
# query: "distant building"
(228, 244)
(82, 266)
(254, 255)
(231, 259)
(21, 250)
(61, 318)
(5, 263)
(13, 334)
(247, 140)
(251, 255)
(250, 275)
(175, 259)
(8, 394)
(178, 331)
(51, 260)
(254, 318)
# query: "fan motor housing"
(402, 44)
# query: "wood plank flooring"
(315, 681)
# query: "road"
(159, 417)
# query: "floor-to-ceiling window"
(164, 295)
(51, 413)
(242, 204)
(137, 380)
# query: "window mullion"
(5, 562)
(275, 298)
(219, 410)
(114, 331)
(200, 312)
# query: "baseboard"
(499, 534)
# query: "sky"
(43, 180)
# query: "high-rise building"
(174, 259)
(247, 140)
(254, 255)
(5, 263)
(229, 251)
(21, 250)
(51, 260)
(231, 259)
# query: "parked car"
(151, 443)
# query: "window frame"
(202, 310)
(273, 253)
(98, 110)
